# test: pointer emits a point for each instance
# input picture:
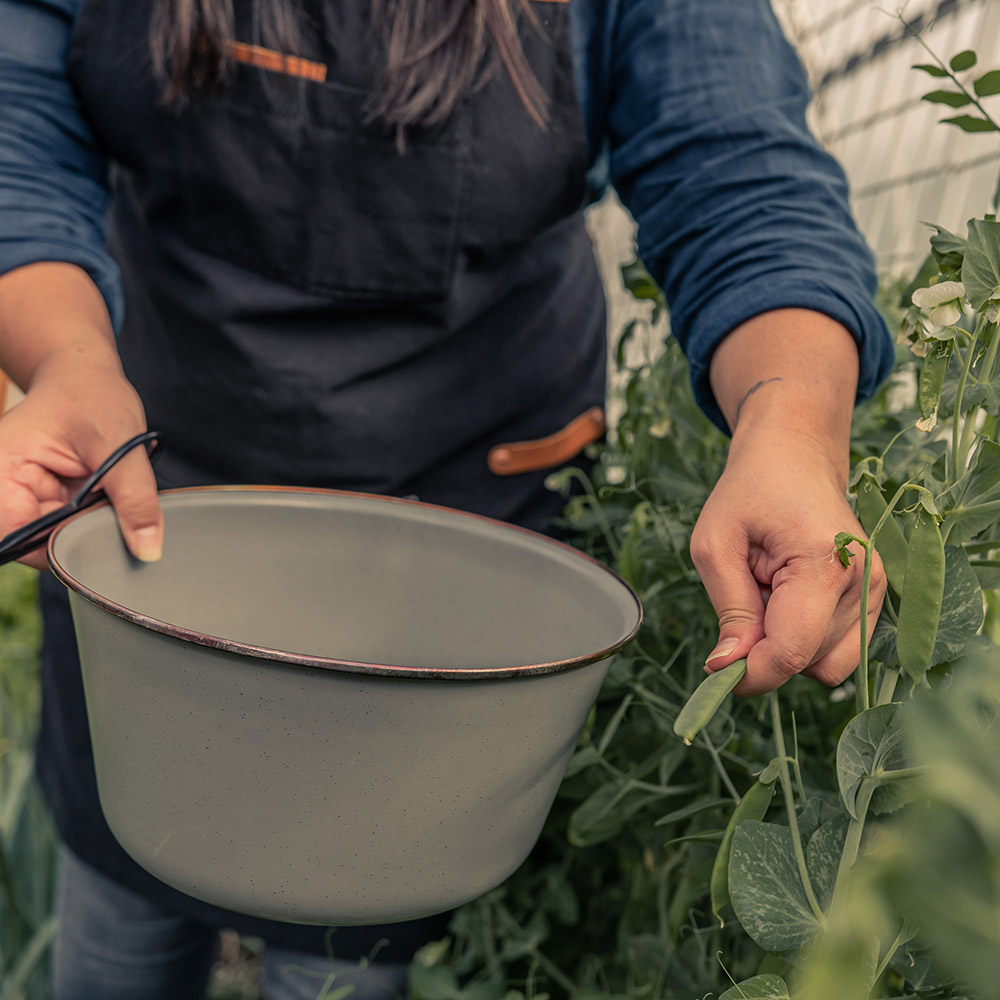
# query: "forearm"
(52, 314)
(790, 372)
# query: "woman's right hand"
(78, 408)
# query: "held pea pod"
(329, 707)
(706, 700)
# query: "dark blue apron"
(307, 304)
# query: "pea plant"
(929, 500)
(810, 844)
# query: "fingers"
(797, 613)
(812, 624)
(131, 488)
(70, 421)
(801, 614)
(735, 594)
(838, 662)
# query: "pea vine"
(812, 845)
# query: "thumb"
(131, 488)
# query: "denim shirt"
(694, 112)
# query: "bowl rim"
(333, 663)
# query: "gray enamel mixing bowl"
(334, 708)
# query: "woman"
(344, 248)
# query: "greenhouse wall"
(903, 165)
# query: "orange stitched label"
(279, 62)
(545, 453)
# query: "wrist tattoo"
(751, 391)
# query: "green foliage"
(673, 855)
(27, 844)
(859, 861)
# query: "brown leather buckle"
(547, 452)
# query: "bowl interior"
(353, 578)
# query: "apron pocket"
(283, 176)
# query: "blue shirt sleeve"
(698, 107)
(52, 174)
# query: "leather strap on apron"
(307, 305)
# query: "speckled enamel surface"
(319, 792)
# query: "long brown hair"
(431, 52)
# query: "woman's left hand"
(764, 547)
(764, 544)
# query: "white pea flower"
(661, 428)
(943, 300)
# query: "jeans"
(113, 944)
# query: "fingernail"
(148, 544)
(724, 648)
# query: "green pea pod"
(920, 602)
(932, 377)
(753, 805)
(699, 709)
(891, 542)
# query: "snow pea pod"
(753, 805)
(699, 709)
(920, 602)
(891, 542)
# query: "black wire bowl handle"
(36, 533)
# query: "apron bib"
(307, 305)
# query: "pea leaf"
(871, 745)
(988, 84)
(963, 61)
(961, 608)
(432, 982)
(980, 485)
(603, 813)
(953, 98)
(970, 123)
(823, 852)
(948, 249)
(981, 267)
(764, 987)
(816, 812)
(930, 69)
(641, 284)
(956, 733)
(922, 970)
(988, 576)
(623, 341)
(765, 890)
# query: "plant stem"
(900, 774)
(990, 507)
(888, 686)
(861, 685)
(852, 842)
(793, 820)
(884, 964)
(720, 767)
(795, 763)
(958, 455)
(862, 694)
